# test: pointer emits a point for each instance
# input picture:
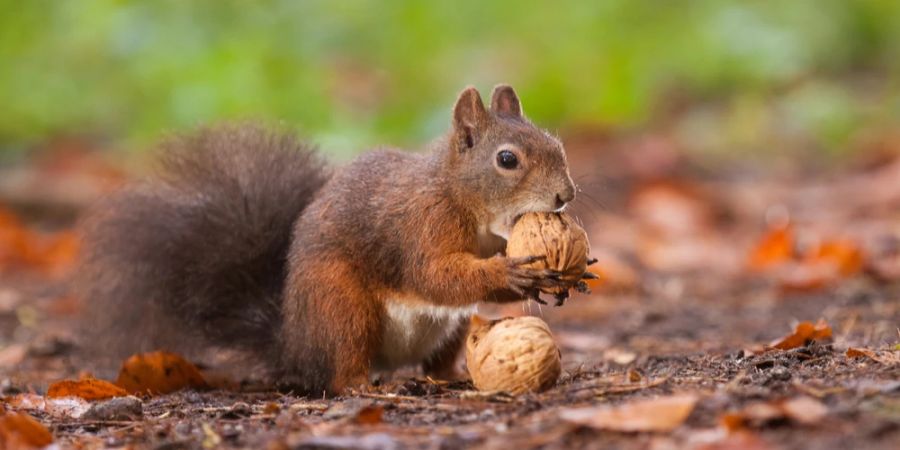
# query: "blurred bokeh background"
(738, 165)
(732, 78)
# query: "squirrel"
(247, 241)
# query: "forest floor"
(748, 309)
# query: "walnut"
(556, 236)
(515, 355)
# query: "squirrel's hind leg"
(442, 364)
(333, 320)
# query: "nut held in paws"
(556, 236)
(515, 355)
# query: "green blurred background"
(730, 77)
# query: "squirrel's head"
(504, 162)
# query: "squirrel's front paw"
(528, 281)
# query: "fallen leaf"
(87, 388)
(14, 239)
(860, 353)
(20, 247)
(369, 415)
(803, 410)
(776, 247)
(798, 277)
(844, 254)
(803, 333)
(614, 272)
(662, 414)
(741, 440)
(54, 254)
(158, 373)
(65, 407)
(20, 432)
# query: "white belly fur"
(413, 332)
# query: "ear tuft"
(469, 116)
(505, 102)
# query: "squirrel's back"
(195, 258)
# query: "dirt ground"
(699, 282)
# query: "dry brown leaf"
(803, 410)
(87, 388)
(369, 415)
(799, 277)
(813, 268)
(613, 271)
(14, 239)
(741, 440)
(803, 333)
(20, 247)
(20, 431)
(64, 407)
(860, 353)
(843, 254)
(776, 247)
(158, 373)
(886, 357)
(661, 414)
(53, 254)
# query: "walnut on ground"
(514, 355)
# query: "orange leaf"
(87, 388)
(158, 373)
(369, 415)
(803, 410)
(19, 246)
(21, 432)
(861, 353)
(803, 332)
(14, 239)
(662, 414)
(844, 254)
(56, 254)
(775, 248)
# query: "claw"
(592, 261)
(582, 287)
(590, 276)
(561, 298)
(536, 296)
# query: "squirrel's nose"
(564, 197)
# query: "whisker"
(582, 195)
(586, 209)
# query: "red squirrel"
(246, 241)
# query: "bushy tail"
(195, 258)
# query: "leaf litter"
(694, 270)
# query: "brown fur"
(389, 226)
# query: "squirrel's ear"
(469, 117)
(505, 102)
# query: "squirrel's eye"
(507, 159)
